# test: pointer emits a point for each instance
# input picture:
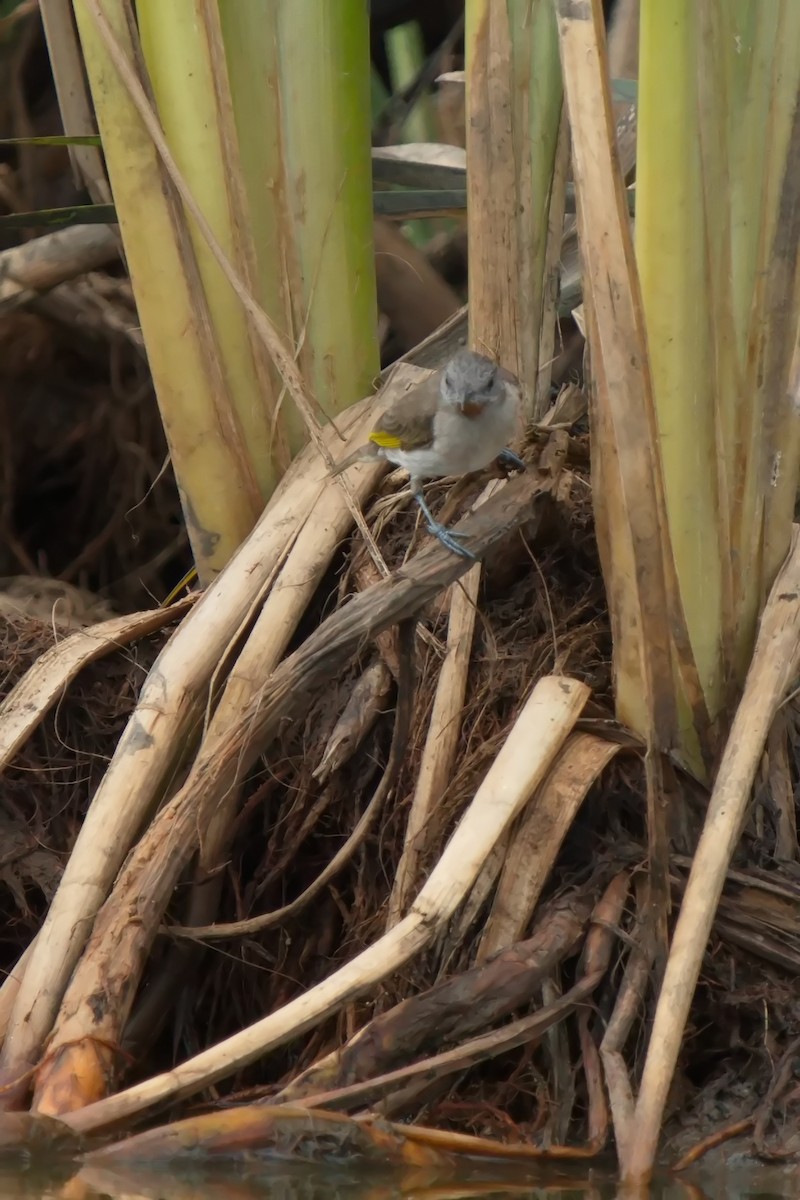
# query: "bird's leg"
(510, 459)
(447, 537)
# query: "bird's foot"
(509, 459)
(450, 539)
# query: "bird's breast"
(469, 443)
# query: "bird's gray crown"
(470, 376)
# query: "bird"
(457, 421)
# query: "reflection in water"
(282, 1182)
(306, 1183)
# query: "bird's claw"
(449, 538)
(510, 459)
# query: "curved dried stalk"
(40, 687)
(441, 742)
(599, 945)
(538, 733)
(772, 671)
(34, 267)
(536, 842)
(455, 1008)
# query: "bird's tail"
(363, 454)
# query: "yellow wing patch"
(388, 441)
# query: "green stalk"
(671, 257)
(718, 92)
(186, 63)
(300, 81)
(266, 111)
(220, 493)
(406, 54)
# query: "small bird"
(457, 421)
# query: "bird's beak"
(471, 406)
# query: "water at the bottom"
(279, 1182)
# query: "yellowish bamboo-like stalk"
(300, 85)
(670, 244)
(187, 66)
(220, 493)
(717, 251)
(274, 149)
(406, 54)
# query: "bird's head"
(471, 382)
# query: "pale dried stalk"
(630, 999)
(40, 687)
(310, 557)
(651, 646)
(34, 267)
(441, 743)
(11, 985)
(536, 843)
(74, 103)
(494, 316)
(171, 701)
(626, 471)
(307, 562)
(771, 674)
(513, 106)
(521, 764)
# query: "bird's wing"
(408, 424)
(362, 454)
